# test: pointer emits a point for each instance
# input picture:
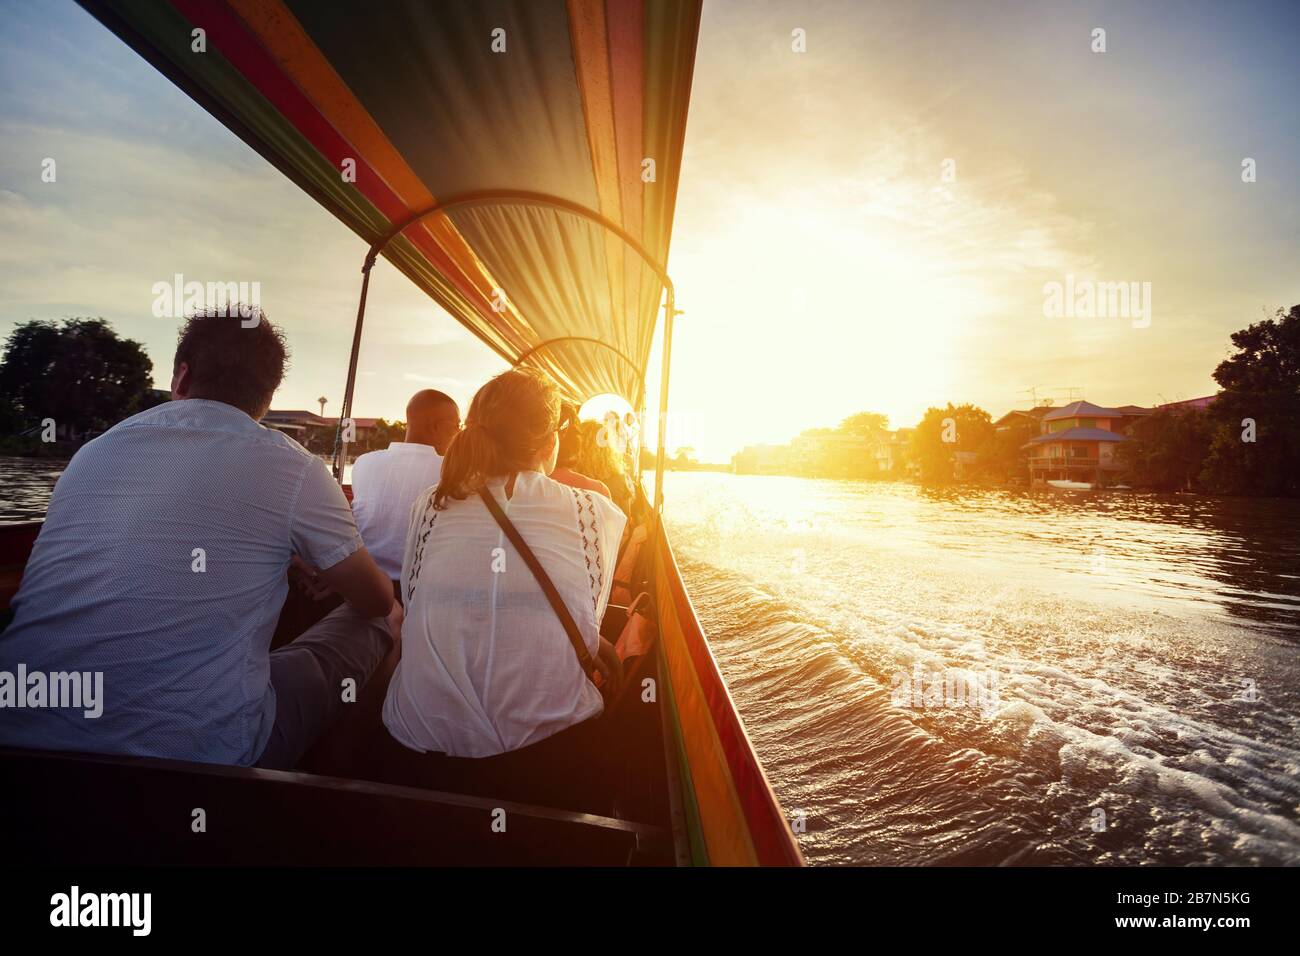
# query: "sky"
(869, 224)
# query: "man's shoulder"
(125, 430)
(276, 439)
(370, 458)
(206, 418)
(271, 442)
(366, 463)
(412, 457)
(150, 416)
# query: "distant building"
(316, 433)
(881, 456)
(900, 453)
(1022, 418)
(1189, 405)
(364, 426)
(1077, 443)
(1131, 412)
(889, 452)
(962, 461)
(830, 454)
(761, 460)
(296, 423)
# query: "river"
(985, 677)
(1138, 657)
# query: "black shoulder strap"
(552, 595)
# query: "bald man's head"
(432, 418)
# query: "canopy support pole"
(526, 198)
(670, 312)
(572, 338)
(345, 411)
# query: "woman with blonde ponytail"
(487, 666)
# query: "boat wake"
(1103, 742)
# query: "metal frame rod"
(517, 197)
(670, 312)
(573, 338)
(345, 411)
(521, 197)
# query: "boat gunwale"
(328, 783)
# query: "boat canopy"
(518, 161)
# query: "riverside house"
(1078, 442)
(316, 432)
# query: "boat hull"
(1064, 485)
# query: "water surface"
(25, 486)
(1143, 650)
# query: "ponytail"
(510, 421)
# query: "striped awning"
(382, 110)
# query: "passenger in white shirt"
(162, 566)
(487, 667)
(386, 483)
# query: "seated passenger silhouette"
(570, 451)
(386, 483)
(162, 565)
(488, 668)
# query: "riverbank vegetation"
(64, 382)
(1247, 442)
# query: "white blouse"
(486, 666)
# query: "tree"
(386, 433)
(944, 432)
(1256, 442)
(79, 373)
(1005, 455)
(1167, 449)
(870, 425)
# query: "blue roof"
(1079, 434)
(1082, 410)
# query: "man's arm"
(325, 535)
(360, 582)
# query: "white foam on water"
(1135, 699)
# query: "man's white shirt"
(385, 485)
(161, 564)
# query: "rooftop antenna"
(1073, 394)
(1032, 392)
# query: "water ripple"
(1144, 650)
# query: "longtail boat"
(518, 161)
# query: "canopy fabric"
(430, 101)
